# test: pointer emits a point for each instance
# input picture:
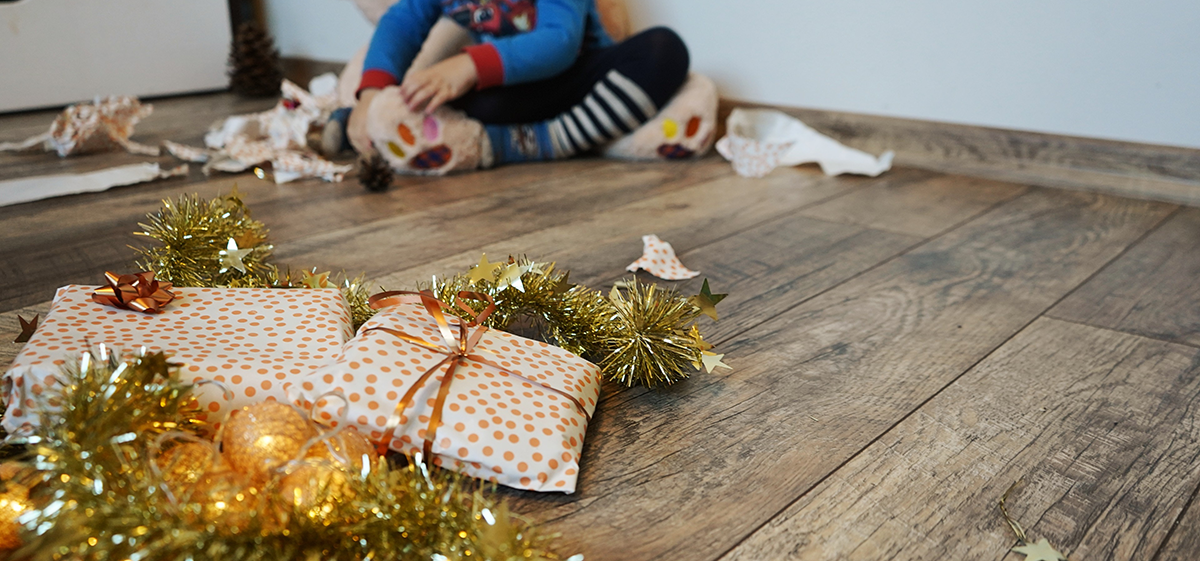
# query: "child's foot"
(415, 143)
(682, 129)
(333, 136)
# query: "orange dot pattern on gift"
(251, 341)
(517, 428)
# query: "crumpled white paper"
(760, 140)
(278, 136)
(28, 189)
(104, 124)
(658, 258)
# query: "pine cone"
(254, 67)
(374, 173)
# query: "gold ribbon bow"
(138, 292)
(457, 350)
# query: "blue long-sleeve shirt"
(517, 40)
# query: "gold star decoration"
(1040, 551)
(231, 257)
(512, 277)
(700, 342)
(27, 328)
(563, 285)
(317, 280)
(707, 301)
(711, 361)
(484, 270)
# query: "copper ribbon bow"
(138, 292)
(457, 351)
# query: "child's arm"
(546, 51)
(397, 40)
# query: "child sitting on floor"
(544, 77)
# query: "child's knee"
(666, 51)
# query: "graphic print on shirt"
(493, 17)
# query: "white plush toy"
(448, 140)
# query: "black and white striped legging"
(606, 94)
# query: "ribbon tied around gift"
(138, 292)
(458, 350)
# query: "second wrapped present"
(483, 402)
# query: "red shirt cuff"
(488, 65)
(374, 78)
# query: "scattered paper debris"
(759, 140)
(658, 259)
(278, 136)
(28, 189)
(104, 124)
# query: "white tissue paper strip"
(28, 189)
(759, 140)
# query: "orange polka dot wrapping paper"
(253, 341)
(495, 425)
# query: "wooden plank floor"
(904, 348)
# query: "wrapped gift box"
(253, 341)
(506, 416)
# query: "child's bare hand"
(356, 126)
(442, 82)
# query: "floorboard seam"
(1174, 525)
(897, 255)
(955, 379)
(1123, 332)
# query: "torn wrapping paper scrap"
(185, 152)
(760, 140)
(104, 124)
(278, 136)
(284, 126)
(658, 258)
(28, 189)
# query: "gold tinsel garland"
(215, 243)
(107, 493)
(642, 335)
(195, 235)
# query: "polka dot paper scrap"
(658, 259)
(495, 426)
(752, 158)
(254, 342)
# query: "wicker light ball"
(261, 437)
(348, 445)
(184, 465)
(311, 484)
(226, 499)
(13, 502)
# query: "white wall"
(55, 52)
(328, 30)
(1116, 69)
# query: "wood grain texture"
(1128, 169)
(690, 471)
(1183, 540)
(91, 233)
(1153, 290)
(1066, 407)
(862, 313)
(920, 208)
